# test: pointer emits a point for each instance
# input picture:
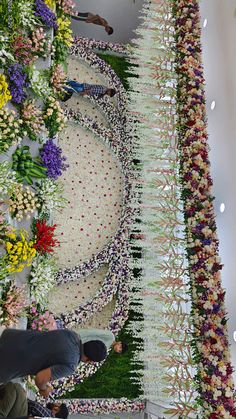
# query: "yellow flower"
(50, 3)
(64, 34)
(5, 94)
(8, 246)
(20, 253)
(11, 236)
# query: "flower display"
(5, 227)
(22, 202)
(50, 3)
(54, 118)
(17, 83)
(64, 33)
(102, 406)
(42, 277)
(59, 51)
(12, 305)
(58, 79)
(66, 6)
(41, 45)
(209, 317)
(19, 251)
(39, 82)
(11, 129)
(22, 48)
(7, 179)
(5, 93)
(45, 14)
(25, 167)
(44, 237)
(41, 321)
(52, 159)
(50, 196)
(5, 54)
(23, 16)
(32, 119)
(101, 45)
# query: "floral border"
(210, 337)
(104, 406)
(100, 45)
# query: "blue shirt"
(26, 352)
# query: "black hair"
(2, 391)
(95, 350)
(110, 30)
(112, 92)
(66, 96)
(125, 347)
(63, 413)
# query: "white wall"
(219, 54)
(122, 15)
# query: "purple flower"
(51, 156)
(17, 82)
(45, 14)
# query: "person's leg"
(76, 87)
(8, 396)
(80, 16)
(20, 407)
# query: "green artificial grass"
(120, 65)
(114, 379)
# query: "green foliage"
(120, 65)
(114, 379)
(3, 14)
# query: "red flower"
(45, 241)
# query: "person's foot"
(67, 96)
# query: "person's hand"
(46, 392)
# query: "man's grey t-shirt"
(26, 352)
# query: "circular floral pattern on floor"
(81, 72)
(93, 187)
(99, 320)
(75, 293)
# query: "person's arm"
(42, 380)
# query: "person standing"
(46, 355)
(92, 18)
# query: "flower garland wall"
(163, 292)
(210, 337)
